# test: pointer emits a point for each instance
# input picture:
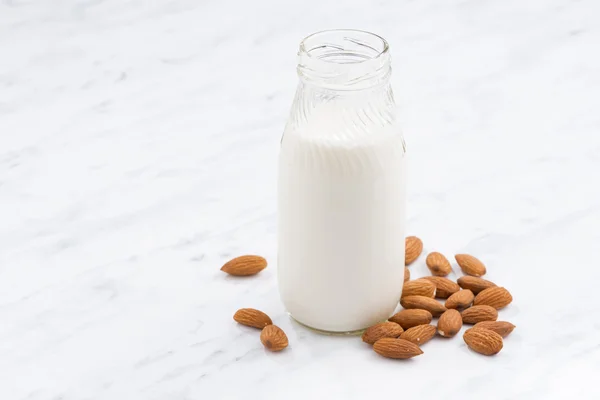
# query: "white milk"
(341, 222)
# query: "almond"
(424, 303)
(273, 338)
(438, 264)
(414, 247)
(483, 341)
(418, 287)
(382, 330)
(444, 286)
(474, 284)
(419, 334)
(460, 299)
(449, 323)
(497, 297)
(409, 318)
(396, 348)
(245, 265)
(252, 317)
(502, 328)
(477, 314)
(470, 265)
(406, 274)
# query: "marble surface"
(138, 148)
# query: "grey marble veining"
(138, 149)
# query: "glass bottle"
(341, 186)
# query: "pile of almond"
(471, 300)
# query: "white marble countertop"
(138, 147)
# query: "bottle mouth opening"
(344, 59)
(344, 46)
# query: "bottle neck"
(333, 109)
(344, 61)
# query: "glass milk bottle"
(342, 186)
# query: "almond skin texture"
(382, 330)
(273, 338)
(424, 303)
(461, 299)
(419, 334)
(418, 287)
(414, 247)
(409, 318)
(406, 274)
(497, 297)
(502, 328)
(252, 317)
(245, 265)
(470, 265)
(449, 323)
(477, 314)
(444, 286)
(474, 284)
(483, 341)
(438, 264)
(396, 348)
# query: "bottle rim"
(353, 35)
(344, 59)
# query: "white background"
(138, 153)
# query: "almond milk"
(341, 225)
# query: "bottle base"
(356, 332)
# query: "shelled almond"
(252, 317)
(497, 297)
(474, 284)
(245, 265)
(438, 264)
(419, 334)
(418, 287)
(411, 317)
(461, 299)
(382, 330)
(470, 265)
(273, 338)
(444, 286)
(477, 314)
(483, 341)
(424, 303)
(502, 328)
(396, 348)
(414, 247)
(449, 323)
